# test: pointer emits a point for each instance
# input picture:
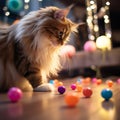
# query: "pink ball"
(118, 80)
(94, 80)
(14, 94)
(90, 46)
(73, 86)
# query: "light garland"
(26, 4)
(104, 42)
(106, 4)
(92, 19)
(6, 12)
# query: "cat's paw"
(46, 87)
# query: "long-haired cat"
(29, 50)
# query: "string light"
(7, 13)
(26, 1)
(26, 4)
(106, 4)
(26, 7)
(92, 19)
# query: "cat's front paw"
(46, 87)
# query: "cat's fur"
(29, 50)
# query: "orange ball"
(86, 80)
(71, 99)
(99, 81)
(56, 82)
(79, 88)
(110, 83)
(60, 84)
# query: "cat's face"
(57, 27)
(57, 32)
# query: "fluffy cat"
(29, 50)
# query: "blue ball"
(51, 82)
(106, 94)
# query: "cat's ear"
(62, 13)
(74, 26)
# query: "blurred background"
(13, 10)
(9, 13)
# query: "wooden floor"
(51, 106)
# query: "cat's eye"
(60, 34)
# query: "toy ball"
(86, 80)
(79, 88)
(94, 80)
(106, 94)
(60, 84)
(51, 82)
(71, 99)
(15, 94)
(15, 5)
(118, 80)
(87, 92)
(79, 80)
(61, 89)
(90, 46)
(73, 86)
(110, 83)
(99, 81)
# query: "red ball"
(87, 92)
(14, 94)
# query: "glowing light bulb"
(26, 1)
(103, 42)
(7, 13)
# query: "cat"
(29, 50)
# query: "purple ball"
(14, 94)
(61, 89)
